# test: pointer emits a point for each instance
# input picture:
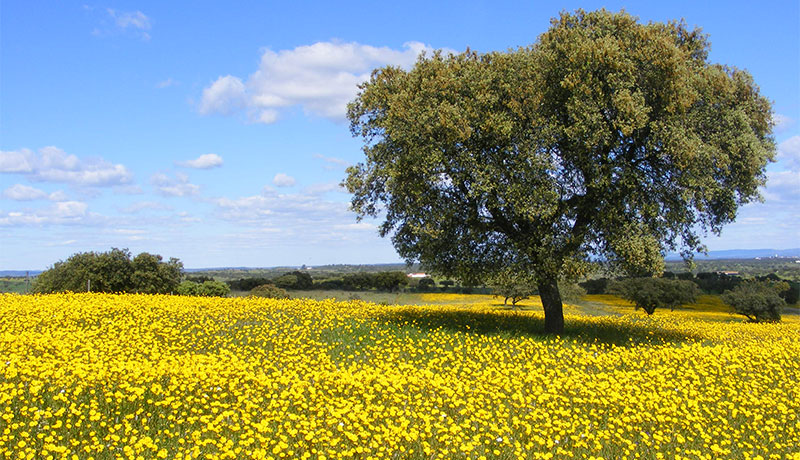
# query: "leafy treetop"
(606, 137)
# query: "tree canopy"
(651, 293)
(606, 138)
(111, 271)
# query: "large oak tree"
(606, 138)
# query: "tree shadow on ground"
(514, 323)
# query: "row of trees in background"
(112, 271)
(760, 300)
(708, 282)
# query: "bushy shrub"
(269, 290)
(651, 293)
(759, 301)
(205, 289)
(214, 289)
(188, 288)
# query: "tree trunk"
(551, 301)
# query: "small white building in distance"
(417, 275)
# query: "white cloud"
(16, 161)
(206, 161)
(64, 212)
(225, 96)
(145, 205)
(789, 152)
(177, 186)
(21, 192)
(58, 195)
(332, 163)
(317, 189)
(320, 78)
(69, 209)
(52, 164)
(134, 21)
(783, 187)
(283, 180)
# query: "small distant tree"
(759, 301)
(651, 293)
(270, 291)
(426, 284)
(512, 285)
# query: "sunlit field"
(134, 376)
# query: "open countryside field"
(135, 376)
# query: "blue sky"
(214, 131)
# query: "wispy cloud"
(131, 21)
(332, 163)
(174, 186)
(52, 164)
(320, 78)
(283, 180)
(20, 192)
(206, 161)
(166, 83)
(63, 212)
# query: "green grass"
(13, 285)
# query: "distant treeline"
(708, 282)
(300, 280)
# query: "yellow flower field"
(135, 376)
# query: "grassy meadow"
(459, 376)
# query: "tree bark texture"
(553, 309)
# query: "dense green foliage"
(426, 284)
(651, 293)
(294, 280)
(246, 284)
(606, 137)
(759, 301)
(269, 290)
(205, 289)
(112, 271)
